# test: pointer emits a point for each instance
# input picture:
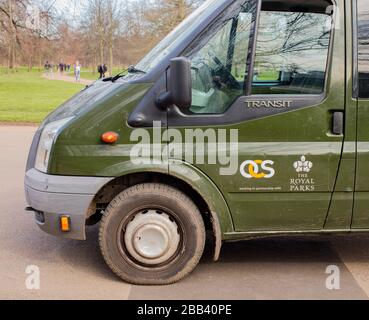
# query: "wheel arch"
(187, 179)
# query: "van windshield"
(164, 47)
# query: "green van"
(251, 118)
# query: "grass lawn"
(268, 76)
(26, 97)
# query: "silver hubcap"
(151, 237)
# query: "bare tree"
(118, 32)
(113, 16)
(22, 28)
(11, 14)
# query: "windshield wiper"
(133, 69)
(130, 69)
(116, 77)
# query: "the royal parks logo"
(302, 182)
(303, 165)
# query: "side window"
(292, 52)
(363, 37)
(219, 66)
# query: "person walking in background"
(77, 71)
(105, 69)
(61, 67)
(47, 68)
(100, 70)
(51, 71)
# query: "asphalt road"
(69, 269)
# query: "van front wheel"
(152, 234)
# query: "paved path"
(259, 269)
(67, 78)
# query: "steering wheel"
(228, 76)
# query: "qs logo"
(257, 169)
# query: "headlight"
(46, 142)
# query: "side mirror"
(179, 87)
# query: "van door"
(269, 76)
(361, 79)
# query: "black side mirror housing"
(179, 87)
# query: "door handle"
(337, 123)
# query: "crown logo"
(303, 165)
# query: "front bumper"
(52, 196)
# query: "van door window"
(292, 52)
(363, 37)
(219, 65)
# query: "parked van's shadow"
(278, 268)
(293, 268)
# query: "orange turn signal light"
(65, 223)
(109, 137)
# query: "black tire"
(122, 210)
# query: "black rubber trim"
(252, 49)
(147, 110)
(355, 49)
(33, 150)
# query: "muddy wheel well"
(114, 187)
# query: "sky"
(69, 7)
(72, 9)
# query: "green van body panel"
(307, 134)
(207, 189)
(341, 208)
(360, 217)
(339, 200)
(79, 151)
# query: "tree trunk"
(181, 10)
(110, 59)
(12, 36)
(94, 62)
(40, 62)
(101, 48)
